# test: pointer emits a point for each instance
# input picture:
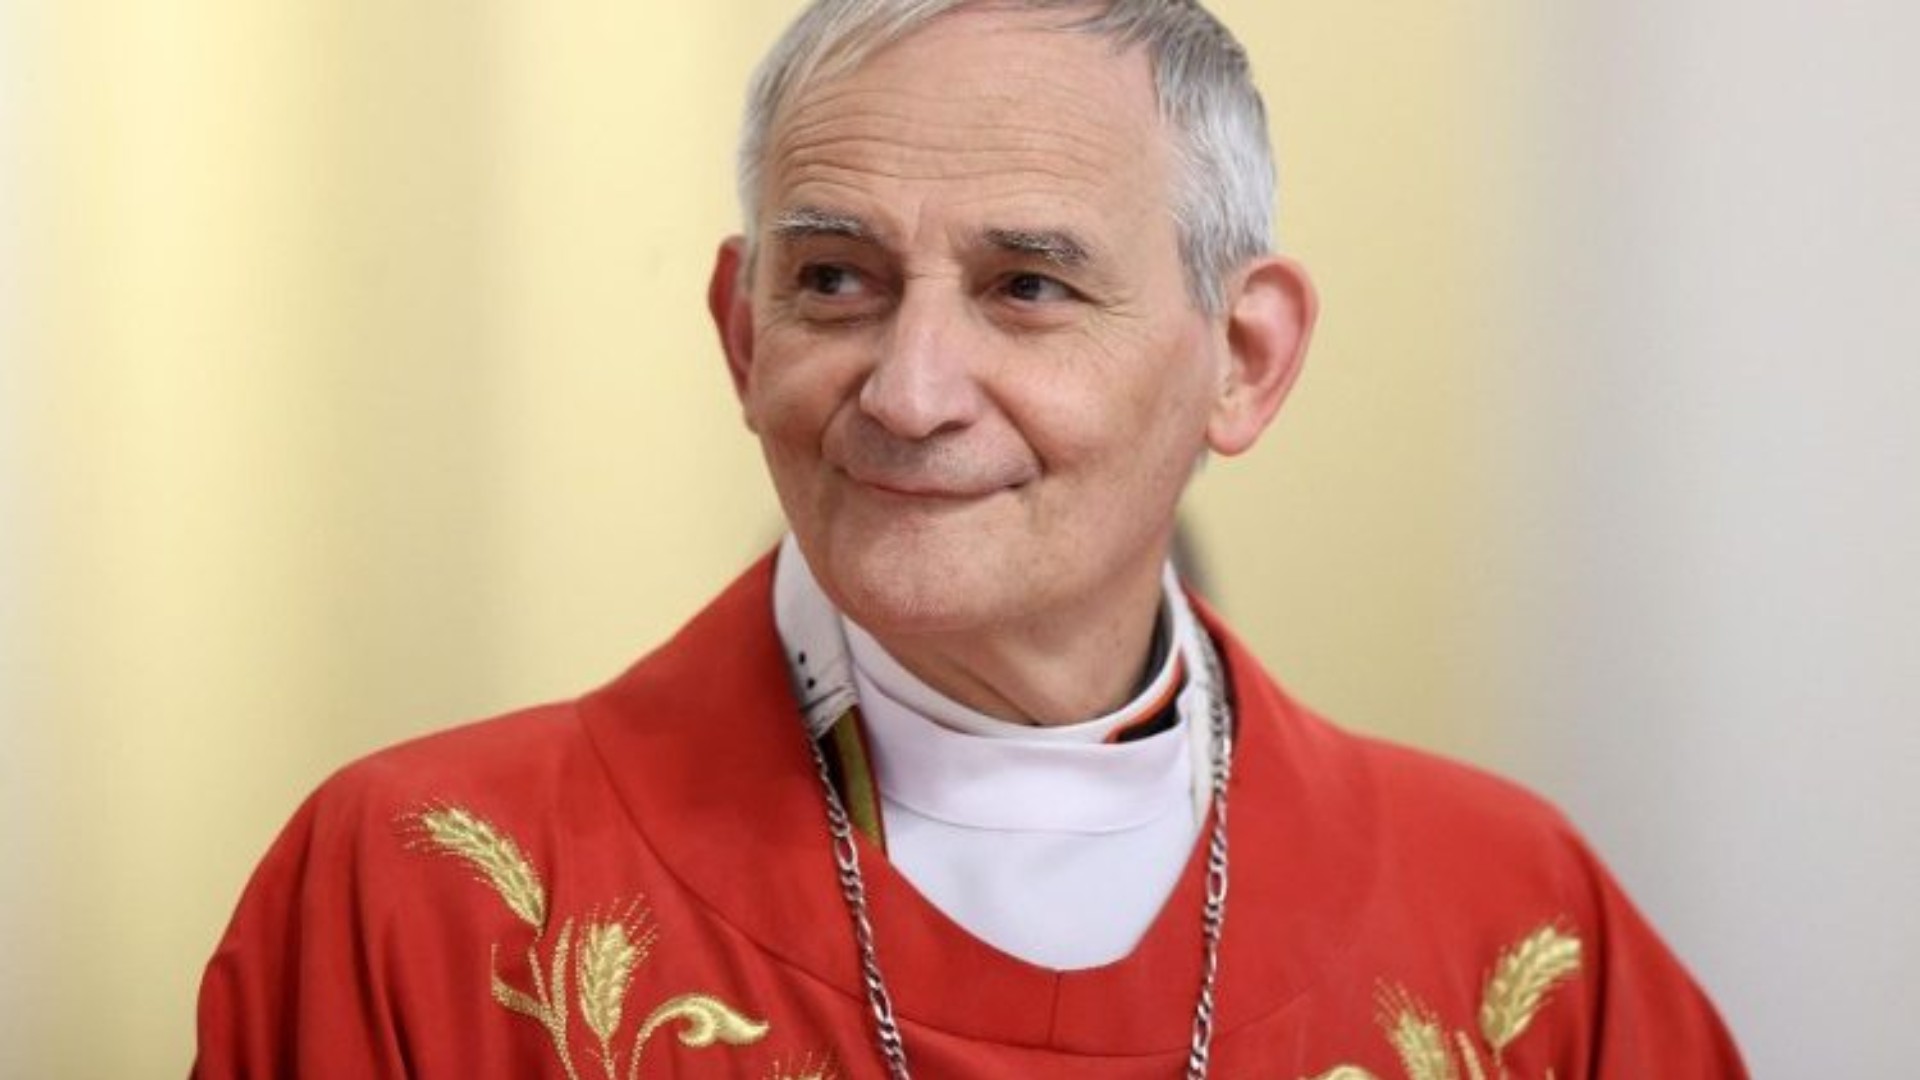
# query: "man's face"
(968, 347)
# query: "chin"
(906, 589)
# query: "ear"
(729, 302)
(1271, 309)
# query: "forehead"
(979, 109)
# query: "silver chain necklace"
(846, 855)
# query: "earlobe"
(1270, 316)
(732, 311)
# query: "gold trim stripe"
(862, 793)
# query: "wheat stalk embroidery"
(1519, 986)
(610, 951)
(1416, 1036)
(1521, 981)
(598, 964)
(493, 855)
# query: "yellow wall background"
(365, 387)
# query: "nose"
(922, 383)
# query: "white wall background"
(1721, 441)
(18, 849)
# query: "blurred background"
(355, 381)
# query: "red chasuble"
(640, 883)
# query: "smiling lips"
(921, 487)
(928, 470)
(942, 467)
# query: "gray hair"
(1224, 190)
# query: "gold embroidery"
(807, 1068)
(707, 1021)
(1526, 975)
(1469, 1055)
(610, 951)
(1520, 983)
(1416, 1036)
(458, 833)
(548, 1003)
(602, 960)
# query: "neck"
(1053, 672)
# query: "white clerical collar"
(824, 649)
(1017, 778)
(872, 661)
(810, 629)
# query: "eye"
(830, 279)
(1030, 288)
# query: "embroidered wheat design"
(1416, 1036)
(1525, 976)
(493, 854)
(548, 1003)
(1521, 981)
(601, 960)
(1469, 1055)
(610, 952)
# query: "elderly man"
(942, 787)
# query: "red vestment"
(640, 883)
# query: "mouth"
(928, 490)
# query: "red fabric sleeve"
(1650, 1017)
(292, 989)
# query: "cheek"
(794, 388)
(1134, 397)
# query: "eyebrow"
(1057, 246)
(803, 221)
